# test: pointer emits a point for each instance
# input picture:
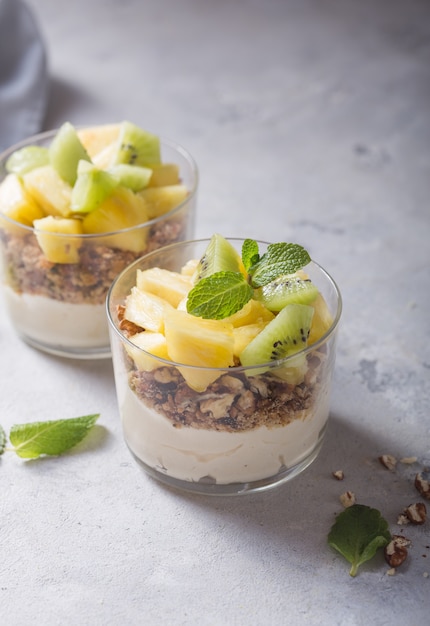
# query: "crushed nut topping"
(422, 485)
(396, 551)
(388, 461)
(408, 460)
(338, 474)
(347, 499)
(416, 513)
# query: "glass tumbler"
(251, 428)
(59, 307)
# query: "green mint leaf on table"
(358, 533)
(2, 440)
(250, 253)
(219, 295)
(279, 258)
(51, 437)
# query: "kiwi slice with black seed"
(219, 256)
(137, 146)
(287, 289)
(285, 335)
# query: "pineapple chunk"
(161, 200)
(97, 138)
(244, 334)
(146, 310)
(147, 341)
(190, 267)
(164, 174)
(49, 190)
(51, 234)
(253, 312)
(321, 321)
(122, 209)
(168, 285)
(16, 202)
(201, 343)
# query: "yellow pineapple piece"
(253, 312)
(161, 200)
(164, 174)
(190, 267)
(146, 310)
(154, 343)
(321, 321)
(168, 285)
(244, 334)
(51, 233)
(49, 190)
(16, 202)
(96, 138)
(122, 209)
(199, 342)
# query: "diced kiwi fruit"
(135, 177)
(59, 238)
(16, 202)
(65, 152)
(136, 146)
(92, 186)
(286, 334)
(219, 256)
(285, 290)
(25, 159)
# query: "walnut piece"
(416, 513)
(422, 485)
(389, 461)
(338, 474)
(347, 499)
(395, 552)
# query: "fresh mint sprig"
(358, 533)
(224, 293)
(51, 438)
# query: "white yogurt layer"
(190, 453)
(58, 323)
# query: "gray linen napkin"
(23, 73)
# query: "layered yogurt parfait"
(223, 353)
(78, 205)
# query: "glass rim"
(4, 155)
(237, 368)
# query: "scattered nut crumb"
(388, 461)
(338, 474)
(408, 460)
(422, 485)
(402, 520)
(416, 513)
(347, 499)
(426, 574)
(391, 572)
(395, 552)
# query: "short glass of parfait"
(230, 405)
(77, 206)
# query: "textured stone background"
(310, 122)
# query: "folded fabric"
(23, 73)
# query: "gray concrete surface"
(310, 122)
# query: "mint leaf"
(52, 437)
(2, 440)
(358, 533)
(219, 295)
(279, 258)
(250, 254)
